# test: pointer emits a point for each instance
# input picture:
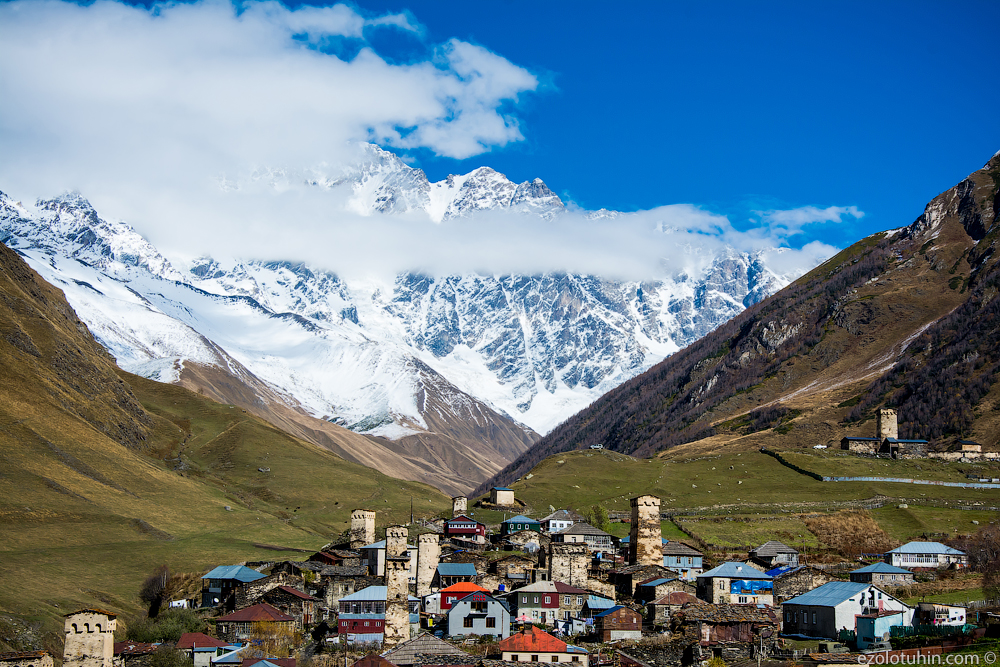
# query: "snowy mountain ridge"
(399, 359)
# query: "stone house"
(824, 611)
(337, 581)
(517, 569)
(252, 592)
(861, 445)
(882, 574)
(625, 579)
(448, 574)
(502, 496)
(221, 582)
(791, 582)
(618, 622)
(293, 602)
(535, 645)
(651, 589)
(735, 583)
(659, 611)
(730, 631)
(26, 659)
(425, 649)
(479, 614)
(241, 625)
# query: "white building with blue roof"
(735, 583)
(824, 611)
(926, 555)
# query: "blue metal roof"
(456, 569)
(735, 570)
(881, 568)
(831, 594)
(361, 617)
(371, 593)
(595, 602)
(783, 569)
(926, 548)
(237, 572)
(501, 488)
(657, 582)
(520, 518)
(610, 610)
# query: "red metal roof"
(533, 640)
(566, 588)
(199, 640)
(258, 612)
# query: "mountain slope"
(412, 361)
(906, 318)
(126, 474)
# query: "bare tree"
(154, 588)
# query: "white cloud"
(144, 111)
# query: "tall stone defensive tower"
(90, 638)
(459, 505)
(428, 557)
(888, 427)
(362, 528)
(397, 605)
(395, 541)
(645, 537)
(568, 563)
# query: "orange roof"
(464, 587)
(258, 612)
(537, 640)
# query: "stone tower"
(645, 538)
(887, 425)
(395, 541)
(362, 528)
(459, 505)
(568, 563)
(428, 557)
(397, 605)
(90, 638)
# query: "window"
(467, 622)
(575, 658)
(814, 618)
(722, 585)
(788, 617)
(513, 657)
(524, 599)
(743, 599)
(555, 658)
(366, 624)
(548, 599)
(567, 600)
(491, 622)
(536, 599)
(534, 658)
(579, 600)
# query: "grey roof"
(831, 594)
(880, 568)
(421, 645)
(674, 548)
(734, 571)
(926, 548)
(456, 569)
(773, 548)
(564, 515)
(237, 572)
(582, 528)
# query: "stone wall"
(459, 505)
(249, 594)
(887, 426)
(397, 611)
(27, 659)
(568, 563)
(395, 541)
(362, 528)
(645, 537)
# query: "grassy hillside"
(104, 475)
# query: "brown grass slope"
(104, 475)
(879, 323)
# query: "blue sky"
(740, 106)
(804, 125)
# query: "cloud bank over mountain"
(154, 113)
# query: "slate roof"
(639, 567)
(134, 648)
(457, 569)
(675, 548)
(676, 597)
(563, 515)
(926, 548)
(773, 548)
(258, 612)
(734, 570)
(423, 644)
(343, 571)
(240, 573)
(880, 568)
(582, 528)
(296, 593)
(730, 613)
(831, 594)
